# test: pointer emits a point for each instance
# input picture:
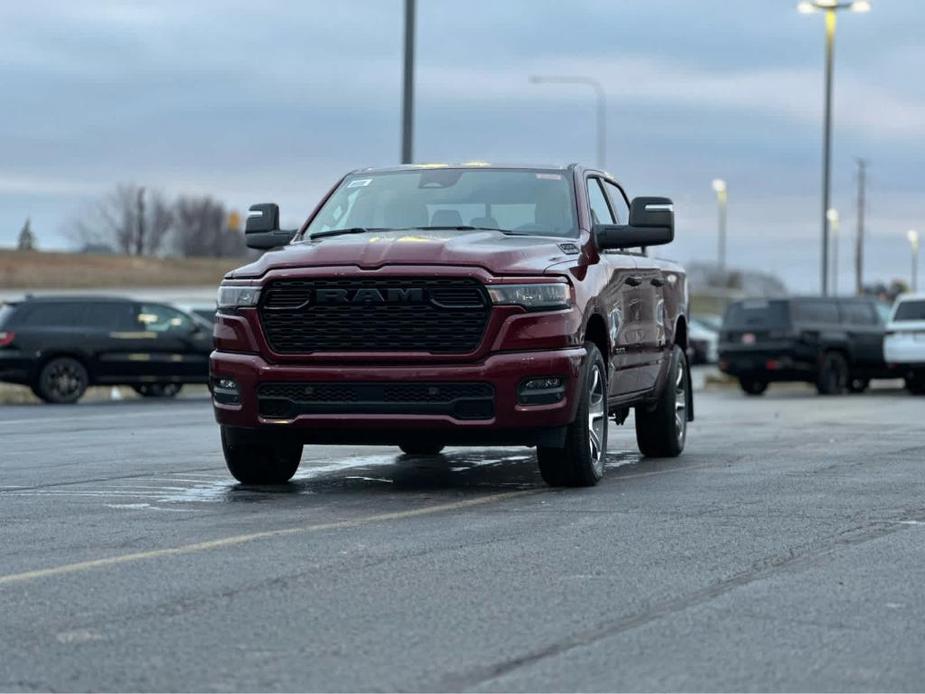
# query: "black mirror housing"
(261, 231)
(651, 223)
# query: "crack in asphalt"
(763, 569)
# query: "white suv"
(904, 344)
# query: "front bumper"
(510, 422)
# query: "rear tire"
(753, 386)
(662, 431)
(858, 385)
(261, 461)
(158, 390)
(916, 384)
(832, 378)
(62, 381)
(421, 448)
(581, 462)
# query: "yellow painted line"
(221, 543)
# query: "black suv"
(836, 343)
(60, 345)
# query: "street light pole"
(601, 96)
(407, 101)
(833, 220)
(913, 237)
(719, 186)
(830, 8)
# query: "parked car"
(60, 345)
(836, 343)
(704, 343)
(205, 312)
(425, 306)
(904, 346)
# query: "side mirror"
(261, 231)
(651, 223)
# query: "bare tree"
(26, 240)
(202, 229)
(129, 219)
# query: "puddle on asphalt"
(455, 468)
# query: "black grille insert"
(460, 400)
(374, 315)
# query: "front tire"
(581, 462)
(858, 385)
(261, 461)
(753, 386)
(62, 381)
(661, 432)
(832, 378)
(916, 383)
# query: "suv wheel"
(832, 378)
(62, 380)
(753, 386)
(157, 390)
(581, 462)
(410, 448)
(916, 384)
(661, 431)
(261, 461)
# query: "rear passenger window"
(109, 316)
(817, 311)
(858, 313)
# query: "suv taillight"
(6, 338)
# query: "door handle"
(657, 282)
(634, 281)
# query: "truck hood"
(496, 252)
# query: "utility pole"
(140, 213)
(827, 145)
(859, 240)
(407, 103)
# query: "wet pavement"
(783, 551)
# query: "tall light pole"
(601, 106)
(830, 8)
(913, 237)
(407, 96)
(719, 187)
(859, 239)
(832, 218)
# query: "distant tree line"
(135, 220)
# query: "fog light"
(541, 391)
(225, 391)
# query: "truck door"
(865, 333)
(646, 301)
(622, 297)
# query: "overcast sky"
(259, 101)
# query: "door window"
(600, 210)
(858, 313)
(157, 318)
(621, 209)
(817, 311)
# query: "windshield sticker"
(360, 183)
(549, 176)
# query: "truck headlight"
(533, 297)
(231, 296)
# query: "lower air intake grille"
(459, 400)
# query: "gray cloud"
(275, 100)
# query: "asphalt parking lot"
(785, 550)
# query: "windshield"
(524, 201)
(910, 310)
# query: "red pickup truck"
(432, 305)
